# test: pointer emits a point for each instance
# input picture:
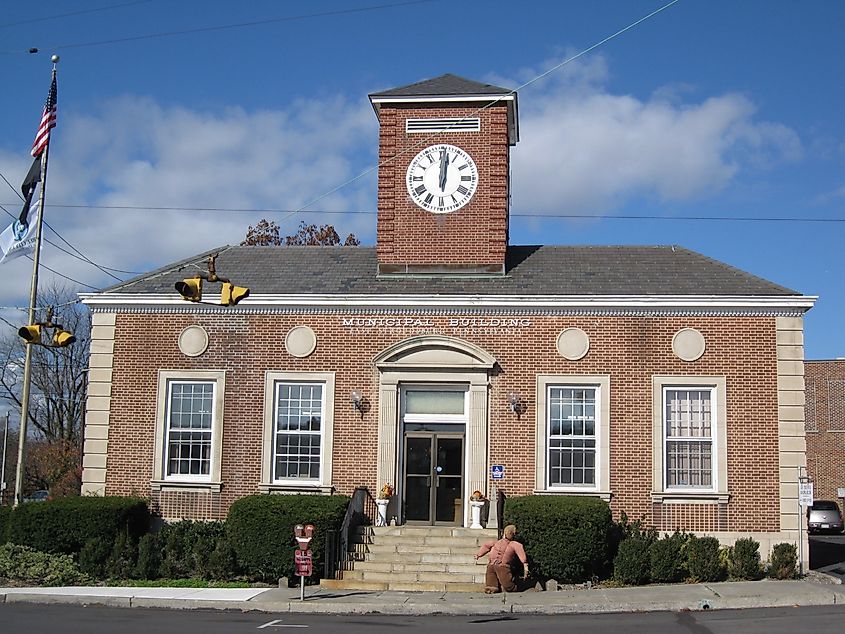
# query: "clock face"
(442, 178)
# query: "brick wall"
(629, 349)
(476, 234)
(825, 426)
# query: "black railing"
(500, 511)
(360, 512)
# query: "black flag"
(32, 179)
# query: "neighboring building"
(656, 378)
(824, 422)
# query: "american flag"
(48, 121)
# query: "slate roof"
(531, 270)
(445, 85)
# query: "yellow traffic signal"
(63, 338)
(31, 334)
(190, 289)
(231, 294)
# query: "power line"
(513, 214)
(71, 13)
(238, 25)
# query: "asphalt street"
(826, 550)
(35, 619)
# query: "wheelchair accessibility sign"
(497, 472)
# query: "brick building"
(667, 383)
(824, 423)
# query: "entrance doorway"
(434, 478)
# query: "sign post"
(303, 558)
(805, 498)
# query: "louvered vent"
(449, 124)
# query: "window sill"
(604, 495)
(690, 497)
(175, 485)
(294, 487)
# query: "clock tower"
(444, 177)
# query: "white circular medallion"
(442, 178)
(300, 341)
(573, 344)
(688, 344)
(193, 341)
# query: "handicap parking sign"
(497, 471)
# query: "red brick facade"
(825, 426)
(629, 349)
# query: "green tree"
(266, 233)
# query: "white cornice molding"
(443, 98)
(750, 304)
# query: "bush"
(123, 558)
(666, 558)
(565, 537)
(5, 512)
(260, 530)
(702, 559)
(26, 565)
(64, 525)
(149, 557)
(783, 562)
(188, 548)
(633, 561)
(744, 559)
(94, 556)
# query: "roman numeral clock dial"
(442, 178)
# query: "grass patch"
(178, 583)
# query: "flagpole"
(33, 297)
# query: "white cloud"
(586, 150)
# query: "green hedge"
(566, 538)
(64, 525)
(5, 511)
(632, 564)
(23, 565)
(260, 530)
(783, 562)
(703, 560)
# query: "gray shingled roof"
(445, 85)
(531, 270)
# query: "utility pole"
(3, 462)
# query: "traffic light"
(31, 334)
(231, 294)
(190, 289)
(63, 338)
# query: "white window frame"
(718, 489)
(323, 483)
(212, 480)
(601, 385)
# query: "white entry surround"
(434, 359)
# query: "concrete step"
(403, 566)
(401, 586)
(409, 548)
(413, 576)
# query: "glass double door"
(434, 477)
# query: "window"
(689, 439)
(297, 434)
(573, 435)
(189, 429)
(688, 416)
(298, 420)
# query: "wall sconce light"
(515, 403)
(357, 401)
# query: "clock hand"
(444, 164)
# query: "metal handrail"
(360, 512)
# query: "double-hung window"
(297, 431)
(572, 436)
(190, 416)
(688, 427)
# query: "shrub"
(26, 565)
(123, 558)
(5, 512)
(93, 557)
(783, 562)
(149, 557)
(744, 559)
(666, 558)
(260, 530)
(565, 537)
(187, 548)
(64, 525)
(702, 559)
(633, 561)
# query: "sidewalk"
(716, 596)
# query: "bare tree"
(266, 233)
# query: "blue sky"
(710, 108)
